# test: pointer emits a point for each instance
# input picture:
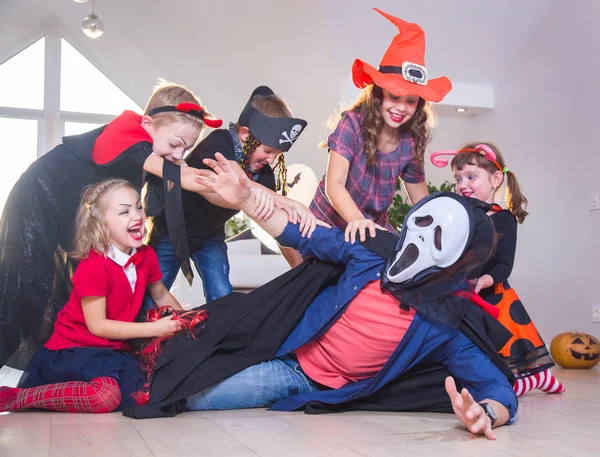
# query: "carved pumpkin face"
(575, 350)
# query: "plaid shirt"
(372, 187)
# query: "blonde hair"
(170, 94)
(91, 231)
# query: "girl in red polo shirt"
(85, 366)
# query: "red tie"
(136, 258)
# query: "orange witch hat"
(402, 70)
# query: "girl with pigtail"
(481, 172)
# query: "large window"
(84, 89)
(49, 90)
(22, 78)
(18, 143)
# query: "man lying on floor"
(355, 340)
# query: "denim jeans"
(211, 263)
(258, 386)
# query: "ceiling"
(303, 49)
(470, 41)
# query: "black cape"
(243, 330)
(36, 231)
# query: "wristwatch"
(489, 412)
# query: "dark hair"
(273, 106)
(515, 200)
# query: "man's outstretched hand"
(469, 411)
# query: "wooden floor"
(547, 425)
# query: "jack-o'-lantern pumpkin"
(575, 350)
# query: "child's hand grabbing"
(167, 326)
(484, 282)
(264, 203)
(298, 213)
(361, 226)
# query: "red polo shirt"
(100, 276)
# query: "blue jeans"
(211, 262)
(258, 386)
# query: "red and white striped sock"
(545, 381)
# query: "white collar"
(118, 256)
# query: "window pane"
(85, 89)
(22, 78)
(75, 128)
(18, 143)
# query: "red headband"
(192, 109)
(482, 149)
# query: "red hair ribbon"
(192, 109)
(482, 149)
(197, 110)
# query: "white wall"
(545, 122)
(304, 50)
(451, 132)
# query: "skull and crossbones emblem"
(293, 135)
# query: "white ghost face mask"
(435, 236)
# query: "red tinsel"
(149, 355)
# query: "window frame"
(51, 120)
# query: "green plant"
(234, 226)
(400, 207)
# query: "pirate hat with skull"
(436, 233)
(276, 132)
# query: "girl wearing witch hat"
(381, 138)
(37, 225)
(264, 132)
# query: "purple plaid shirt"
(372, 187)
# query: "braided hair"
(91, 231)
(248, 149)
(281, 183)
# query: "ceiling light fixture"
(461, 110)
(92, 25)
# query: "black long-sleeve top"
(500, 265)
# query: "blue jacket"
(424, 342)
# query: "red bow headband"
(192, 109)
(482, 149)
